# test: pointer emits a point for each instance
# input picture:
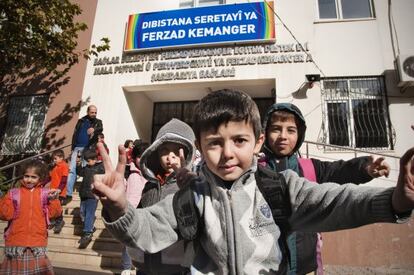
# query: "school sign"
(223, 24)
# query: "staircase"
(102, 256)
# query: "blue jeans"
(72, 170)
(88, 208)
(126, 260)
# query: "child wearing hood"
(285, 129)
(173, 148)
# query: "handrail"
(14, 164)
(347, 149)
(32, 157)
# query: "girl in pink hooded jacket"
(133, 188)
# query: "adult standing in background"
(85, 135)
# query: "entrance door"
(183, 110)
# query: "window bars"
(25, 124)
(355, 113)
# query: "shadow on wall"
(64, 117)
(38, 83)
(395, 94)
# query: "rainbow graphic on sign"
(131, 42)
(212, 25)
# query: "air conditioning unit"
(405, 66)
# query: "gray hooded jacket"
(170, 260)
(239, 234)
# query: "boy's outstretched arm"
(403, 195)
(109, 187)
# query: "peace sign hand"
(110, 187)
(182, 174)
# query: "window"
(25, 124)
(199, 3)
(345, 9)
(165, 111)
(355, 113)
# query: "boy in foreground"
(224, 211)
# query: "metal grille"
(25, 125)
(355, 113)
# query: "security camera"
(313, 77)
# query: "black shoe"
(85, 240)
(58, 227)
(62, 200)
(68, 199)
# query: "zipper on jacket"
(31, 213)
(234, 254)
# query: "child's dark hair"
(284, 115)
(40, 167)
(58, 153)
(101, 135)
(90, 154)
(127, 142)
(223, 106)
(139, 148)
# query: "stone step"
(74, 210)
(63, 268)
(98, 242)
(76, 220)
(88, 256)
(71, 229)
(76, 204)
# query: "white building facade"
(360, 50)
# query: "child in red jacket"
(28, 209)
(58, 179)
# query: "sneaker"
(85, 240)
(58, 227)
(126, 272)
(68, 199)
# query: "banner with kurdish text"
(201, 26)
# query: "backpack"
(15, 196)
(273, 187)
(308, 169)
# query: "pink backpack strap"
(308, 169)
(44, 203)
(309, 173)
(15, 197)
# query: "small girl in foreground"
(27, 209)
